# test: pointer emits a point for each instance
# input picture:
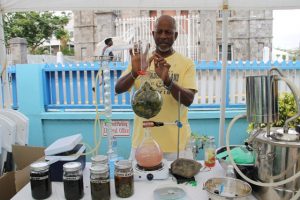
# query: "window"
(229, 52)
(260, 51)
(220, 13)
(83, 53)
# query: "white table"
(143, 190)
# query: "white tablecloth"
(143, 190)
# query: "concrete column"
(208, 35)
(18, 49)
(106, 27)
(84, 35)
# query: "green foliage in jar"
(146, 101)
(199, 139)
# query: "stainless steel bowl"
(227, 188)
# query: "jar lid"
(99, 169)
(103, 159)
(123, 164)
(72, 166)
(39, 166)
(291, 136)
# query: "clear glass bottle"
(73, 180)
(124, 183)
(148, 154)
(114, 146)
(99, 181)
(230, 172)
(41, 187)
(210, 152)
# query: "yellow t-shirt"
(184, 74)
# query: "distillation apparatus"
(105, 59)
(140, 46)
(276, 149)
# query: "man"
(174, 76)
(108, 42)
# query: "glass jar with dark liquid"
(124, 178)
(41, 187)
(73, 180)
(99, 181)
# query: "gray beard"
(163, 50)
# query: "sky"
(286, 29)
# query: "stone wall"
(18, 50)
(84, 34)
(91, 27)
(248, 32)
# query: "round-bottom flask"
(99, 181)
(148, 154)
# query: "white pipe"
(3, 62)
(2, 43)
(296, 197)
(189, 37)
(274, 184)
(223, 72)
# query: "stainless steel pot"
(262, 98)
(276, 161)
(276, 150)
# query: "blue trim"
(46, 88)
(90, 86)
(82, 90)
(60, 87)
(75, 87)
(53, 88)
(68, 87)
(122, 101)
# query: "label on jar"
(38, 178)
(124, 174)
(99, 180)
(72, 178)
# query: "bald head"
(164, 35)
(166, 19)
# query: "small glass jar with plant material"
(124, 184)
(73, 180)
(40, 183)
(99, 181)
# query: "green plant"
(287, 108)
(67, 52)
(199, 139)
(283, 57)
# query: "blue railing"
(74, 86)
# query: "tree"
(35, 27)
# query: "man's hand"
(139, 60)
(161, 68)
